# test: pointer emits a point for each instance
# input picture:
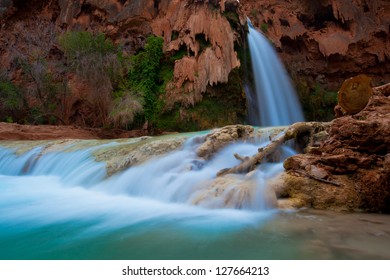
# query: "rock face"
(198, 35)
(354, 158)
(325, 42)
(208, 41)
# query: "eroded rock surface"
(354, 159)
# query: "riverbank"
(13, 131)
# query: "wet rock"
(301, 191)
(136, 152)
(233, 191)
(222, 137)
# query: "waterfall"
(276, 101)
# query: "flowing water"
(61, 205)
(275, 102)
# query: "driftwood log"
(249, 163)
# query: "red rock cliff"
(327, 41)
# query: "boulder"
(355, 94)
(221, 137)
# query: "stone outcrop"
(354, 160)
(325, 42)
(137, 151)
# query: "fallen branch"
(317, 178)
(240, 158)
(249, 163)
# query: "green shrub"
(80, 44)
(11, 101)
(144, 75)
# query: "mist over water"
(276, 102)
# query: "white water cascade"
(60, 203)
(276, 101)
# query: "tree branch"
(249, 163)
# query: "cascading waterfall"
(277, 102)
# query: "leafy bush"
(144, 75)
(11, 101)
(30, 51)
